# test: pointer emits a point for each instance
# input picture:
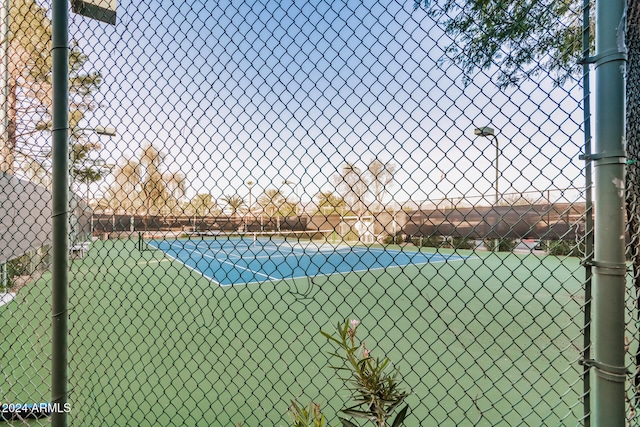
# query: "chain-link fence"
(244, 175)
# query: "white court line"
(364, 270)
(445, 258)
(255, 273)
(236, 266)
(189, 267)
(153, 261)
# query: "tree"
(235, 204)
(380, 177)
(350, 184)
(521, 38)
(524, 38)
(250, 185)
(203, 205)
(153, 190)
(29, 92)
(274, 204)
(174, 190)
(545, 35)
(123, 195)
(142, 185)
(329, 202)
(355, 185)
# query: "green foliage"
(521, 38)
(375, 390)
(29, 89)
(329, 203)
(274, 204)
(15, 268)
(202, 205)
(350, 236)
(439, 242)
(505, 245)
(391, 239)
(462, 243)
(565, 248)
(235, 203)
(302, 416)
(430, 241)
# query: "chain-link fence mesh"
(244, 175)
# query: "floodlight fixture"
(107, 131)
(484, 131)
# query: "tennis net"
(315, 240)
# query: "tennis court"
(240, 259)
(180, 333)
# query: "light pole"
(487, 131)
(100, 130)
(73, 217)
(250, 186)
(293, 187)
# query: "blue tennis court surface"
(244, 261)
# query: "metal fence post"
(60, 235)
(586, 338)
(609, 261)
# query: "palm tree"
(329, 201)
(153, 189)
(235, 204)
(352, 187)
(380, 177)
(272, 202)
(175, 188)
(203, 205)
(250, 185)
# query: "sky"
(269, 91)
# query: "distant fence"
(556, 221)
(121, 223)
(545, 221)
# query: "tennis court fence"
(229, 179)
(558, 221)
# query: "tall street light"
(73, 218)
(98, 130)
(487, 132)
(250, 185)
(293, 186)
(102, 130)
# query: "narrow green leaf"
(346, 423)
(400, 417)
(330, 337)
(383, 365)
(360, 414)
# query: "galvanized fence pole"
(609, 263)
(308, 165)
(60, 235)
(588, 238)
